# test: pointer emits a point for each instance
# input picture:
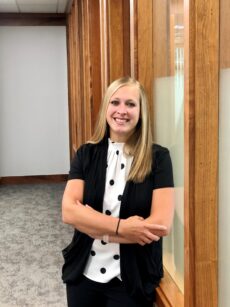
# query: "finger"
(141, 242)
(148, 240)
(156, 226)
(152, 236)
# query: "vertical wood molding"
(74, 82)
(126, 38)
(189, 184)
(104, 46)
(95, 55)
(86, 71)
(206, 153)
(115, 37)
(224, 34)
(133, 39)
(161, 43)
(201, 153)
(145, 47)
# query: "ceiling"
(35, 6)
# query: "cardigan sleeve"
(162, 168)
(76, 166)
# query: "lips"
(120, 120)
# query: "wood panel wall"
(111, 38)
(107, 39)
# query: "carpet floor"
(32, 236)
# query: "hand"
(136, 229)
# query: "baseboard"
(34, 179)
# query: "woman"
(119, 198)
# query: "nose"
(121, 109)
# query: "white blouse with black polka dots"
(104, 260)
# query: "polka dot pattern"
(92, 253)
(103, 270)
(104, 260)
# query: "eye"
(114, 102)
(130, 104)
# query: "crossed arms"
(134, 229)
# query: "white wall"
(224, 189)
(34, 137)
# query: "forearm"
(121, 240)
(162, 209)
(95, 224)
(87, 220)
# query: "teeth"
(119, 120)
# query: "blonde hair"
(139, 144)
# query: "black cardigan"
(141, 266)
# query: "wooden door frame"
(201, 160)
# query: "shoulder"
(161, 157)
(159, 151)
(87, 148)
(89, 151)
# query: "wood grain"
(201, 163)
(168, 293)
(224, 34)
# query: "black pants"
(88, 293)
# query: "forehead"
(127, 92)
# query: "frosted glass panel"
(224, 191)
(224, 160)
(169, 130)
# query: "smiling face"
(123, 113)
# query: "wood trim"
(72, 61)
(144, 61)
(95, 55)
(104, 46)
(85, 70)
(34, 179)
(201, 153)
(32, 19)
(224, 34)
(168, 294)
(161, 42)
(115, 38)
(133, 39)
(189, 162)
(126, 38)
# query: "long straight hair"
(139, 144)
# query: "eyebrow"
(129, 99)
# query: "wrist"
(120, 225)
(117, 228)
